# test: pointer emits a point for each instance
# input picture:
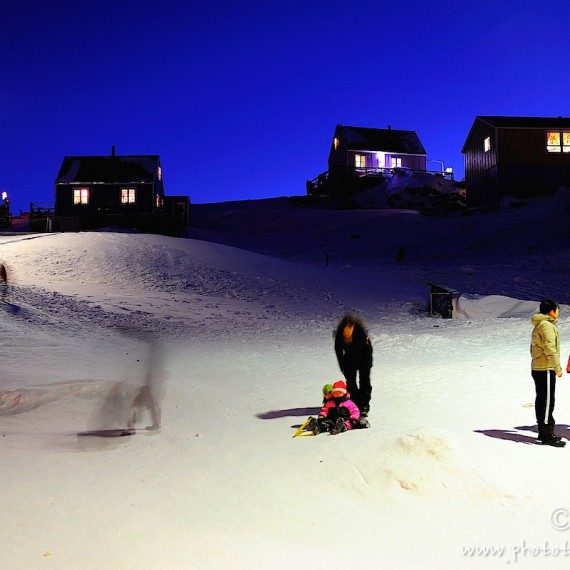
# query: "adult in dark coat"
(354, 353)
(3, 282)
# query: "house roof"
(526, 122)
(501, 122)
(387, 140)
(108, 169)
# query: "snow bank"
(478, 307)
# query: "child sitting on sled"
(339, 413)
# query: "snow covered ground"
(235, 323)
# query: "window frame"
(563, 144)
(359, 160)
(130, 198)
(81, 196)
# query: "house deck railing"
(42, 209)
(321, 181)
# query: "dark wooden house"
(516, 156)
(117, 190)
(360, 156)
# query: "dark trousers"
(545, 384)
(360, 393)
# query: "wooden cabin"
(359, 158)
(118, 190)
(516, 156)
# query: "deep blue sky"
(240, 99)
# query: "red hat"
(339, 386)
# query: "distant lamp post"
(5, 210)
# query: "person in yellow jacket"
(545, 368)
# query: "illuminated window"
(396, 162)
(81, 196)
(557, 141)
(158, 201)
(128, 195)
(360, 160)
(159, 173)
(336, 143)
(487, 144)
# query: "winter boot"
(324, 425)
(313, 426)
(363, 423)
(339, 427)
(547, 437)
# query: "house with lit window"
(117, 190)
(359, 157)
(515, 156)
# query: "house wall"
(516, 165)
(413, 162)
(104, 198)
(338, 158)
(343, 162)
(528, 146)
(477, 160)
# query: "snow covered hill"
(236, 320)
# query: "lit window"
(159, 173)
(360, 160)
(158, 199)
(336, 143)
(487, 144)
(80, 196)
(396, 162)
(128, 195)
(557, 141)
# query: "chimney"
(113, 150)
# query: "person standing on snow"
(354, 354)
(545, 368)
(3, 282)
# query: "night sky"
(240, 99)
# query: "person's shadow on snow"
(510, 435)
(295, 412)
(275, 414)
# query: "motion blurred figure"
(150, 395)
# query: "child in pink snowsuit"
(339, 413)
